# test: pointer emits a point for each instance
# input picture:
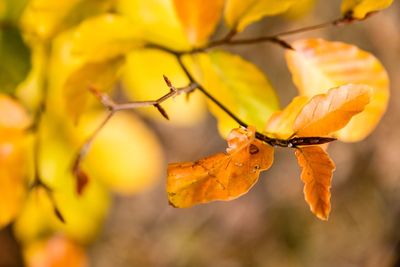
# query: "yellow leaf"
(126, 155)
(57, 251)
(13, 162)
(280, 124)
(43, 18)
(318, 65)
(143, 80)
(199, 18)
(157, 20)
(224, 176)
(317, 169)
(238, 85)
(330, 112)
(300, 8)
(239, 14)
(101, 76)
(359, 9)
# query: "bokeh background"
(272, 224)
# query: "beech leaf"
(359, 9)
(317, 169)
(318, 65)
(238, 85)
(239, 14)
(327, 113)
(224, 176)
(199, 18)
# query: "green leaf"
(238, 85)
(14, 59)
(10, 10)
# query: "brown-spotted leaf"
(317, 169)
(330, 112)
(223, 176)
(199, 18)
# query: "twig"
(113, 108)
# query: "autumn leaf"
(199, 18)
(239, 14)
(359, 9)
(327, 113)
(317, 169)
(280, 124)
(157, 20)
(318, 65)
(101, 76)
(237, 84)
(56, 251)
(223, 176)
(13, 121)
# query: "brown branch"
(113, 108)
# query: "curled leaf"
(327, 113)
(317, 169)
(318, 65)
(223, 176)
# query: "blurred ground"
(272, 225)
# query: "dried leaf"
(359, 9)
(199, 18)
(317, 169)
(318, 65)
(239, 14)
(327, 113)
(224, 176)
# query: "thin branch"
(113, 108)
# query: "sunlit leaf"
(57, 251)
(101, 76)
(126, 155)
(157, 20)
(280, 124)
(13, 116)
(43, 18)
(224, 176)
(199, 18)
(318, 65)
(239, 14)
(143, 80)
(14, 59)
(317, 169)
(238, 85)
(361, 8)
(330, 112)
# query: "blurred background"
(272, 224)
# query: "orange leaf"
(223, 176)
(317, 169)
(318, 65)
(199, 18)
(327, 113)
